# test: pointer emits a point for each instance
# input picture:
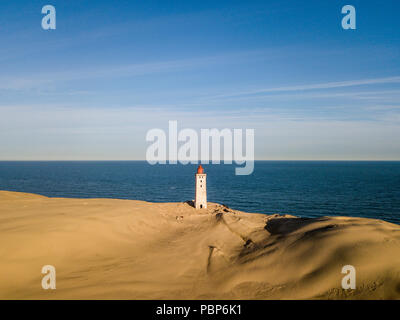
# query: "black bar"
(201, 309)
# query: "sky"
(113, 70)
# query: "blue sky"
(112, 70)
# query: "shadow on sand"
(287, 225)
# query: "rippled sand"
(124, 249)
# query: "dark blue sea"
(301, 188)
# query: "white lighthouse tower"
(200, 201)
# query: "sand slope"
(123, 249)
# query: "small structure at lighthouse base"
(200, 201)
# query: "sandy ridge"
(126, 249)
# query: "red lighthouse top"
(200, 170)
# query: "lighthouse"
(200, 201)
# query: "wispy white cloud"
(315, 86)
(59, 132)
(39, 78)
(383, 107)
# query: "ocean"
(302, 188)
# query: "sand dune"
(123, 249)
